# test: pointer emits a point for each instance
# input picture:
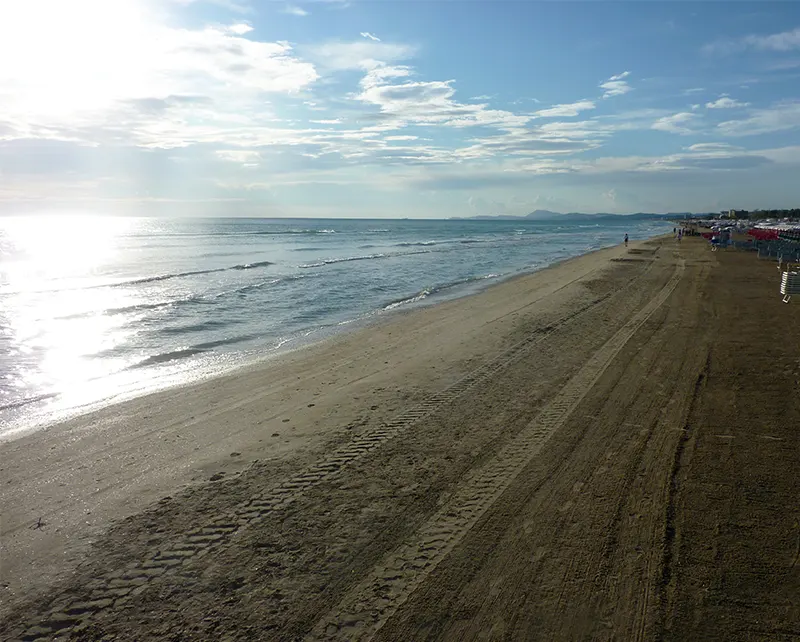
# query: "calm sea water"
(95, 309)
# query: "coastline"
(82, 474)
(232, 364)
(618, 432)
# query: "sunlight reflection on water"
(48, 338)
(95, 308)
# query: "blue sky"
(371, 108)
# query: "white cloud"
(218, 105)
(426, 102)
(780, 117)
(616, 85)
(566, 110)
(549, 139)
(518, 171)
(314, 106)
(153, 86)
(585, 129)
(293, 10)
(418, 100)
(238, 29)
(784, 41)
(142, 60)
(725, 102)
(524, 144)
(712, 147)
(239, 156)
(562, 138)
(359, 55)
(789, 155)
(676, 124)
(716, 160)
(381, 73)
(693, 90)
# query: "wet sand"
(598, 450)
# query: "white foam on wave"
(414, 299)
(365, 257)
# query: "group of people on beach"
(677, 232)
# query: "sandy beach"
(605, 449)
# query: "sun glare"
(57, 246)
(52, 316)
(64, 57)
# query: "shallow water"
(93, 309)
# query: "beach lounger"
(790, 284)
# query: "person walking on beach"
(626, 240)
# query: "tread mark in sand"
(71, 616)
(369, 605)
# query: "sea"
(98, 309)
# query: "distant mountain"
(543, 215)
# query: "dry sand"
(601, 450)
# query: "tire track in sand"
(67, 615)
(370, 604)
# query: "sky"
(386, 108)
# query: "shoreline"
(81, 475)
(252, 359)
(539, 457)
